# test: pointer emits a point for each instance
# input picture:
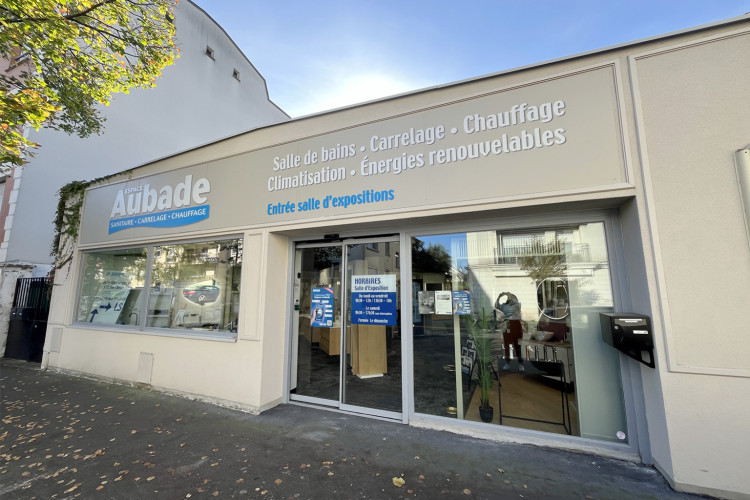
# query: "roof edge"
(745, 18)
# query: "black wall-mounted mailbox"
(631, 334)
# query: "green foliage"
(27, 106)
(479, 331)
(67, 220)
(71, 56)
(544, 260)
(433, 259)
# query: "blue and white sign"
(321, 308)
(114, 290)
(374, 300)
(173, 218)
(166, 206)
(461, 302)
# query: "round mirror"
(552, 298)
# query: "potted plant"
(479, 331)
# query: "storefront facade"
(420, 257)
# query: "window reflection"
(111, 285)
(192, 286)
(528, 343)
(196, 286)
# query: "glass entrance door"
(373, 362)
(317, 320)
(347, 341)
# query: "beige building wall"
(692, 108)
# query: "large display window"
(506, 330)
(191, 286)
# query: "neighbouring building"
(211, 92)
(554, 255)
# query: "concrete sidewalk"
(67, 437)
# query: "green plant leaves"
(67, 57)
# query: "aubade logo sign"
(169, 206)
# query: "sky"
(325, 54)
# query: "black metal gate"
(28, 319)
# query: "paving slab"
(69, 437)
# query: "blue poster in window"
(374, 300)
(461, 302)
(321, 308)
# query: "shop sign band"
(408, 149)
(169, 206)
(551, 136)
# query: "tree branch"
(68, 17)
(84, 12)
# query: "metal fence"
(28, 319)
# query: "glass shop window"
(506, 330)
(111, 286)
(196, 286)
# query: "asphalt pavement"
(69, 437)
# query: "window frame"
(79, 285)
(141, 328)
